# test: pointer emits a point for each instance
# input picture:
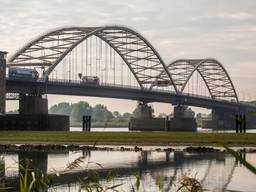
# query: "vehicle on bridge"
(90, 80)
(162, 83)
(23, 73)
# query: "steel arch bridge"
(212, 72)
(49, 51)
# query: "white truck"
(90, 80)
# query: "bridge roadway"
(65, 87)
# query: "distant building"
(2, 81)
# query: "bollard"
(89, 122)
(237, 123)
(240, 123)
(244, 123)
(84, 121)
(166, 123)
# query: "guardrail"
(78, 83)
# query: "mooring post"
(240, 123)
(244, 123)
(236, 123)
(166, 123)
(89, 121)
(84, 121)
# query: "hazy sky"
(221, 29)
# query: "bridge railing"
(79, 83)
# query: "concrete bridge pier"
(143, 119)
(223, 119)
(29, 105)
(33, 115)
(183, 119)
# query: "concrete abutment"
(182, 120)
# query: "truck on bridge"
(23, 73)
(90, 80)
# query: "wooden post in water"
(84, 122)
(237, 123)
(240, 123)
(87, 123)
(244, 123)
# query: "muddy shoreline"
(65, 148)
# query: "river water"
(125, 129)
(158, 170)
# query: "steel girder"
(213, 73)
(49, 49)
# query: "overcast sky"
(221, 29)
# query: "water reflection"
(214, 170)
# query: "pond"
(158, 168)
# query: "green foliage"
(127, 116)
(79, 110)
(117, 116)
(32, 179)
(137, 182)
(61, 108)
(101, 113)
(92, 182)
(162, 115)
(189, 184)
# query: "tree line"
(98, 113)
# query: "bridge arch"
(39, 53)
(216, 78)
(212, 72)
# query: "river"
(125, 129)
(158, 170)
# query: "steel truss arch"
(212, 72)
(64, 40)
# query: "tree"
(61, 108)
(127, 116)
(79, 110)
(101, 113)
(117, 115)
(162, 115)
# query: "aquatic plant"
(189, 184)
(92, 182)
(31, 179)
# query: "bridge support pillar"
(2, 81)
(223, 119)
(33, 105)
(144, 120)
(183, 119)
(33, 115)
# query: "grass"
(102, 124)
(126, 138)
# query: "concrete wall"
(154, 124)
(183, 124)
(35, 105)
(34, 122)
(2, 81)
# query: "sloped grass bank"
(127, 138)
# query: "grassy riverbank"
(101, 124)
(126, 138)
